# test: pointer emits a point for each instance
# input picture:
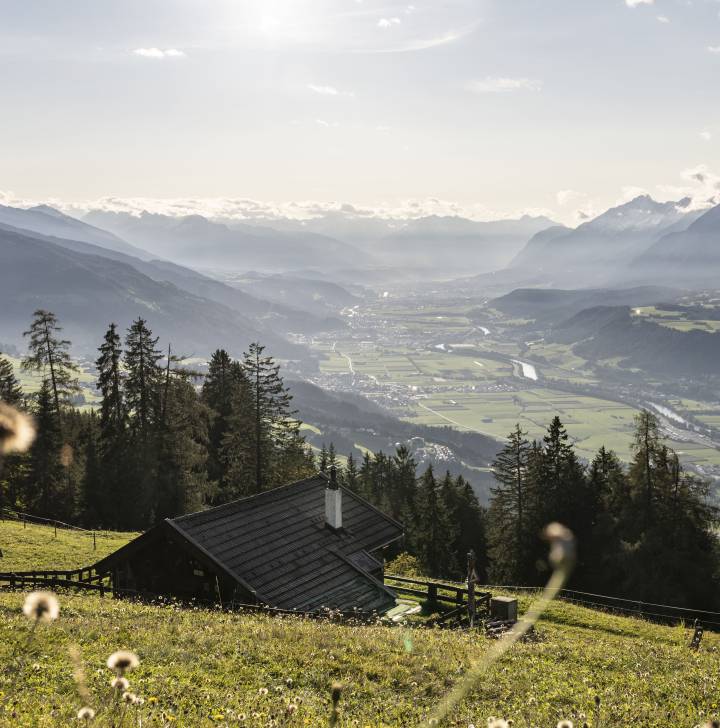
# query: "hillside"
(612, 332)
(196, 241)
(34, 546)
(550, 305)
(208, 668)
(88, 291)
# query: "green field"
(41, 547)
(208, 668)
(478, 393)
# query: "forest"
(166, 440)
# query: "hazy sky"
(497, 106)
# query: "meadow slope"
(209, 668)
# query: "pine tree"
(50, 355)
(646, 447)
(182, 450)
(273, 420)
(144, 377)
(225, 391)
(113, 413)
(46, 476)
(513, 516)
(434, 528)
(143, 385)
(10, 390)
(350, 474)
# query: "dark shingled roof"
(278, 544)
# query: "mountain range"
(88, 279)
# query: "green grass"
(37, 547)
(208, 668)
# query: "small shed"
(302, 546)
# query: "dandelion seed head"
(129, 697)
(17, 430)
(119, 683)
(86, 714)
(565, 724)
(122, 661)
(41, 606)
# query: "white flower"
(17, 430)
(123, 660)
(119, 683)
(41, 606)
(86, 714)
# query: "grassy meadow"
(34, 546)
(209, 668)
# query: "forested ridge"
(166, 440)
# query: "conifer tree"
(10, 390)
(142, 385)
(273, 420)
(113, 413)
(433, 542)
(46, 476)
(50, 355)
(513, 511)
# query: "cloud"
(492, 85)
(565, 197)
(706, 135)
(702, 186)
(714, 49)
(663, 19)
(159, 53)
(327, 124)
(635, 3)
(388, 22)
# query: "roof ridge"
(254, 497)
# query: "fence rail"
(25, 518)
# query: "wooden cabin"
(304, 546)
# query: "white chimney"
(333, 502)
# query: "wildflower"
(152, 700)
(139, 700)
(263, 691)
(86, 714)
(498, 723)
(41, 606)
(123, 660)
(129, 697)
(17, 431)
(289, 682)
(291, 708)
(565, 724)
(119, 683)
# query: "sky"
(489, 108)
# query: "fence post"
(94, 542)
(24, 523)
(432, 592)
(55, 524)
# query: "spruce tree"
(434, 531)
(273, 420)
(513, 515)
(113, 413)
(46, 476)
(50, 354)
(144, 377)
(10, 390)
